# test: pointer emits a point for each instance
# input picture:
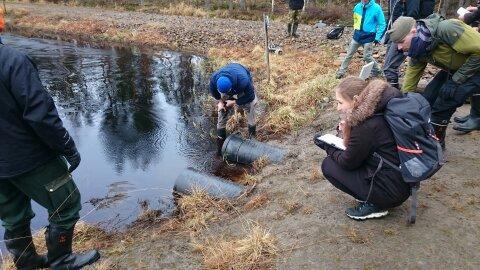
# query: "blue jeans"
(393, 60)
(367, 57)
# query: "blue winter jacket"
(368, 22)
(242, 85)
(31, 131)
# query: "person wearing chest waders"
(365, 132)
(369, 25)
(232, 86)
(450, 45)
(34, 152)
(296, 7)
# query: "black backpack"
(419, 150)
(336, 32)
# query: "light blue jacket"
(368, 22)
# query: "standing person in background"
(417, 9)
(470, 122)
(369, 24)
(231, 86)
(295, 9)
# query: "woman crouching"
(365, 131)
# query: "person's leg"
(393, 60)
(16, 213)
(445, 107)
(368, 58)
(249, 109)
(53, 187)
(296, 14)
(350, 182)
(352, 49)
(430, 93)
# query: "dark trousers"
(49, 185)
(356, 183)
(393, 60)
(444, 107)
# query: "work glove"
(73, 158)
(448, 90)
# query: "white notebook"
(366, 71)
(333, 141)
(462, 11)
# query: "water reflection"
(136, 118)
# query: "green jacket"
(455, 48)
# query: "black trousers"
(444, 108)
(356, 183)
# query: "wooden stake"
(267, 54)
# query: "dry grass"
(260, 163)
(355, 236)
(86, 237)
(255, 250)
(8, 263)
(256, 202)
(315, 175)
(292, 207)
(198, 209)
(248, 179)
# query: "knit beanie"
(400, 28)
(223, 84)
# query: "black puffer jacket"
(30, 128)
(418, 9)
(295, 4)
(370, 133)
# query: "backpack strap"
(377, 155)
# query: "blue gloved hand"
(448, 90)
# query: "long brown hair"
(349, 89)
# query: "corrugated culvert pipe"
(244, 151)
(190, 179)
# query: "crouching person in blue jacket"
(232, 86)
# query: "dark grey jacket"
(30, 128)
(295, 4)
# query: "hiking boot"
(20, 244)
(221, 136)
(440, 132)
(289, 29)
(474, 112)
(473, 123)
(294, 30)
(365, 210)
(60, 255)
(461, 119)
(252, 131)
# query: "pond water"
(137, 120)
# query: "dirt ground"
(302, 210)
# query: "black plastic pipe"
(190, 179)
(239, 150)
